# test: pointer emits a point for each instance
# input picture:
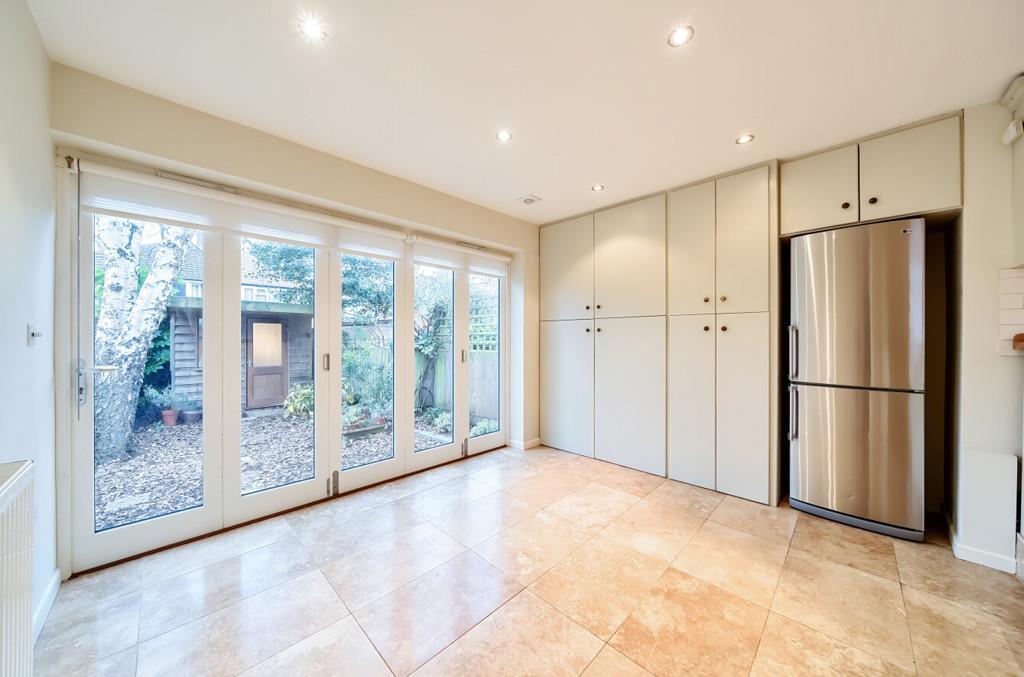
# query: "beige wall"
(98, 115)
(26, 276)
(989, 419)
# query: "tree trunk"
(128, 319)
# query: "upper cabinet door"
(567, 270)
(691, 250)
(819, 191)
(742, 243)
(913, 171)
(629, 259)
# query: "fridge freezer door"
(859, 452)
(857, 306)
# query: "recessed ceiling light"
(680, 36)
(312, 27)
(744, 139)
(503, 136)
(597, 187)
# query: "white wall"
(100, 116)
(26, 276)
(989, 418)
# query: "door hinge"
(465, 446)
(334, 488)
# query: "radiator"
(16, 569)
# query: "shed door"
(267, 363)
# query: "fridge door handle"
(793, 352)
(794, 419)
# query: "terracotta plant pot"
(170, 417)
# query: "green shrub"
(300, 400)
(484, 427)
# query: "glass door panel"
(367, 361)
(486, 363)
(434, 352)
(145, 389)
(278, 417)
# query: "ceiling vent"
(530, 199)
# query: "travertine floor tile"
(339, 650)
(336, 510)
(477, 521)
(528, 549)
(847, 545)
(585, 466)
(198, 554)
(631, 481)
(860, 609)
(599, 584)
(789, 648)
(413, 623)
(121, 664)
(776, 523)
(87, 635)
(526, 636)
(372, 573)
(654, 528)
(82, 593)
(697, 500)
(243, 634)
(935, 570)
(446, 497)
(594, 506)
(501, 475)
(955, 639)
(611, 663)
(547, 486)
(688, 627)
(185, 598)
(741, 563)
(330, 542)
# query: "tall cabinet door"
(691, 250)
(629, 259)
(567, 385)
(629, 392)
(743, 405)
(742, 245)
(691, 399)
(567, 270)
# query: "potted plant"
(191, 412)
(164, 401)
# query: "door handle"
(794, 416)
(793, 354)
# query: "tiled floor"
(539, 563)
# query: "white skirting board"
(529, 444)
(42, 609)
(976, 555)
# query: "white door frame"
(497, 439)
(88, 547)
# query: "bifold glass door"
(225, 377)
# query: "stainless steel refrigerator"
(856, 376)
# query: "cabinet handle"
(707, 299)
(724, 328)
(721, 298)
(588, 330)
(846, 205)
(588, 307)
(872, 200)
(599, 328)
(707, 328)
(599, 306)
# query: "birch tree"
(127, 319)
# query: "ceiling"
(589, 88)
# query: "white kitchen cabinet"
(743, 404)
(567, 269)
(819, 191)
(691, 399)
(909, 172)
(743, 233)
(691, 250)
(629, 392)
(629, 259)
(567, 385)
